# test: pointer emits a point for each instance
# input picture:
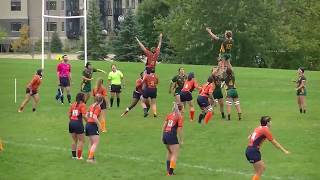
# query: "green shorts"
(302, 92)
(217, 93)
(232, 93)
(225, 56)
(86, 87)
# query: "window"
(51, 26)
(62, 26)
(133, 4)
(109, 25)
(15, 5)
(15, 26)
(139, 1)
(62, 5)
(51, 5)
(127, 3)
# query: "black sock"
(229, 117)
(69, 98)
(33, 109)
(111, 102)
(300, 110)
(61, 98)
(74, 154)
(222, 115)
(304, 111)
(201, 116)
(168, 165)
(148, 108)
(239, 115)
(118, 102)
(171, 171)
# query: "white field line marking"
(220, 170)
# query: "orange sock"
(103, 124)
(191, 115)
(172, 164)
(255, 177)
(207, 117)
(91, 154)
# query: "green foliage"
(3, 34)
(95, 37)
(23, 43)
(125, 45)
(56, 44)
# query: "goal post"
(44, 16)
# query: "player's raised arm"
(279, 146)
(213, 36)
(160, 41)
(141, 45)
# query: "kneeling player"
(93, 126)
(255, 141)
(205, 94)
(172, 136)
(77, 113)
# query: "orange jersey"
(77, 111)
(173, 122)
(35, 83)
(102, 91)
(152, 58)
(259, 135)
(206, 89)
(139, 85)
(94, 112)
(190, 85)
(151, 80)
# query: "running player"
(32, 91)
(87, 78)
(232, 94)
(255, 141)
(64, 79)
(93, 126)
(137, 96)
(100, 90)
(205, 95)
(77, 113)
(152, 57)
(225, 49)
(176, 84)
(115, 80)
(301, 90)
(173, 136)
(186, 93)
(217, 93)
(151, 82)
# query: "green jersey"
(218, 79)
(179, 81)
(230, 82)
(88, 74)
(226, 45)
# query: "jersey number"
(75, 112)
(253, 136)
(170, 123)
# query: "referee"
(115, 79)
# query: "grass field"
(37, 145)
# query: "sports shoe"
(125, 112)
(145, 114)
(74, 157)
(80, 158)
(92, 161)
(155, 115)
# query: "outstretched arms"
(213, 36)
(160, 41)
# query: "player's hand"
(286, 152)
(208, 29)
(161, 35)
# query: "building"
(15, 13)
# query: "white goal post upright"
(84, 16)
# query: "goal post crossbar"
(84, 16)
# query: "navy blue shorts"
(203, 101)
(64, 82)
(92, 129)
(253, 154)
(169, 138)
(150, 93)
(33, 92)
(115, 88)
(136, 95)
(76, 127)
(185, 96)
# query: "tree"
(23, 43)
(3, 34)
(125, 46)
(56, 44)
(95, 38)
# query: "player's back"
(151, 80)
(259, 135)
(173, 122)
(76, 111)
(93, 112)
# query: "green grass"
(37, 144)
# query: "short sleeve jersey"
(173, 121)
(77, 111)
(259, 135)
(226, 44)
(179, 81)
(115, 77)
(34, 84)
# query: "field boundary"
(133, 158)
